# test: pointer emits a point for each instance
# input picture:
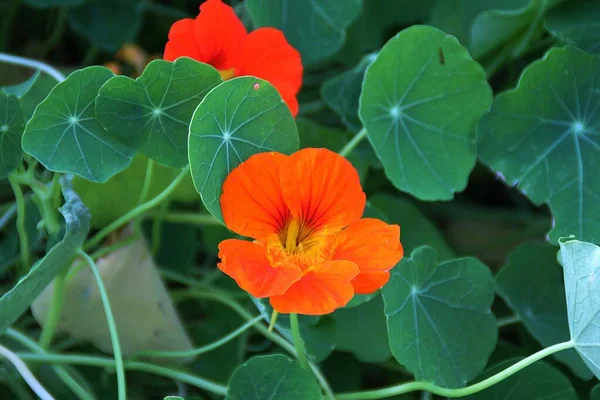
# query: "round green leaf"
(581, 267)
(31, 92)
(578, 23)
(152, 113)
(317, 28)
(11, 129)
(420, 102)
(439, 319)
(543, 137)
(237, 119)
(540, 302)
(273, 377)
(65, 136)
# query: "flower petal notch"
(312, 251)
(218, 37)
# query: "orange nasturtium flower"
(218, 37)
(312, 251)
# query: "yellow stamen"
(291, 235)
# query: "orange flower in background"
(312, 251)
(218, 37)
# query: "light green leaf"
(540, 302)
(237, 119)
(317, 28)
(581, 265)
(152, 113)
(543, 137)
(77, 218)
(539, 381)
(31, 92)
(362, 330)
(11, 129)
(420, 102)
(65, 136)
(577, 23)
(53, 3)
(108, 24)
(439, 319)
(273, 377)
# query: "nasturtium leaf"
(108, 24)
(317, 28)
(53, 3)
(237, 119)
(595, 394)
(362, 330)
(273, 377)
(152, 113)
(77, 219)
(31, 92)
(420, 102)
(577, 23)
(65, 136)
(415, 229)
(341, 93)
(318, 333)
(540, 302)
(109, 200)
(439, 319)
(313, 134)
(581, 266)
(539, 381)
(11, 129)
(543, 136)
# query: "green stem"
(25, 373)
(461, 392)
(157, 226)
(26, 62)
(147, 182)
(23, 239)
(347, 149)
(506, 321)
(298, 341)
(114, 336)
(139, 210)
(191, 218)
(56, 304)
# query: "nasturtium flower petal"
(181, 41)
(369, 282)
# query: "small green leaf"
(420, 102)
(52, 3)
(543, 137)
(540, 302)
(152, 113)
(108, 24)
(439, 319)
(539, 381)
(362, 330)
(31, 92)
(65, 136)
(77, 219)
(273, 377)
(317, 28)
(237, 119)
(577, 23)
(581, 265)
(11, 129)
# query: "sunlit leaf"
(543, 137)
(273, 377)
(540, 302)
(11, 129)
(577, 23)
(77, 219)
(439, 319)
(421, 99)
(152, 113)
(317, 28)
(239, 118)
(65, 136)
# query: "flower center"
(227, 73)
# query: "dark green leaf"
(317, 28)
(273, 377)
(543, 137)
(77, 219)
(237, 119)
(53, 3)
(540, 302)
(65, 136)
(421, 99)
(577, 23)
(595, 394)
(581, 265)
(439, 319)
(31, 92)
(152, 113)
(11, 129)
